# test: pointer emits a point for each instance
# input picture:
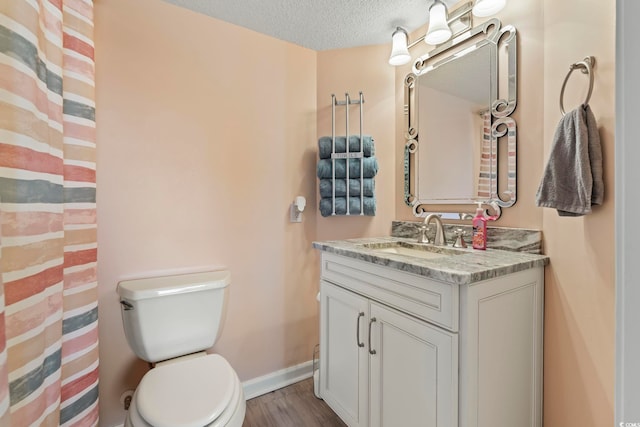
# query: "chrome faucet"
(440, 239)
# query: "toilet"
(170, 321)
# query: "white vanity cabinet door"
(413, 373)
(344, 365)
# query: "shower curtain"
(48, 246)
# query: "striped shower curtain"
(48, 285)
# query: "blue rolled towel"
(325, 145)
(326, 187)
(370, 168)
(354, 206)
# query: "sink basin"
(400, 250)
(416, 250)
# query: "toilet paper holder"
(297, 207)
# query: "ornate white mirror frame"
(494, 190)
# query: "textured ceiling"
(319, 24)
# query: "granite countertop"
(466, 267)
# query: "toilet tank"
(171, 316)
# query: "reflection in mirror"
(451, 147)
(459, 133)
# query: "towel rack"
(347, 155)
(586, 66)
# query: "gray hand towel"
(572, 181)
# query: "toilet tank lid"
(153, 287)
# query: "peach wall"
(206, 133)
(353, 70)
(580, 282)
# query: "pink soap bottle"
(479, 240)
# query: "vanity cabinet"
(400, 349)
(374, 354)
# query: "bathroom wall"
(206, 133)
(354, 70)
(580, 281)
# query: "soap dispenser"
(479, 239)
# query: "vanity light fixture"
(440, 26)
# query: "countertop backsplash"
(508, 239)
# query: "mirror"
(460, 141)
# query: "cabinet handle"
(360, 344)
(373, 319)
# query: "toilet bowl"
(201, 391)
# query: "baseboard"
(275, 380)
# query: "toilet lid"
(190, 393)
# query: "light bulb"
(439, 31)
(399, 50)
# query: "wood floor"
(292, 406)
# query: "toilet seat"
(195, 392)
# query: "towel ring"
(586, 66)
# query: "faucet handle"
(423, 234)
(459, 243)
